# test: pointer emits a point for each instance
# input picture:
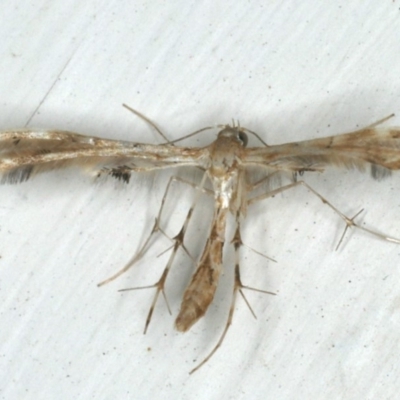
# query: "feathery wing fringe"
(377, 147)
(24, 153)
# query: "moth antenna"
(190, 134)
(381, 121)
(147, 120)
(256, 135)
(237, 125)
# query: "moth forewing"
(378, 148)
(229, 166)
(24, 153)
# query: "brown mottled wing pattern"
(24, 153)
(378, 148)
(203, 285)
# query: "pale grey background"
(290, 71)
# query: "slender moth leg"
(260, 182)
(349, 221)
(156, 228)
(229, 165)
(237, 287)
(178, 242)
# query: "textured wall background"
(288, 70)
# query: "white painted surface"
(288, 70)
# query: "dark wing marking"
(378, 148)
(24, 153)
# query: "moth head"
(235, 133)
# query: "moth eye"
(243, 138)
